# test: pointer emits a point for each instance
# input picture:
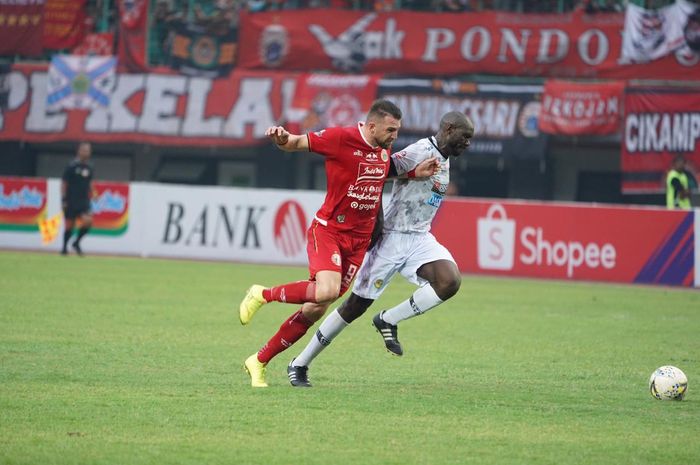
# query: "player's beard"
(386, 143)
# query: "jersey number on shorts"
(347, 279)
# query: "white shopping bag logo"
(496, 240)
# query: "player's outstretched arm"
(287, 141)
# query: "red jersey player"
(357, 164)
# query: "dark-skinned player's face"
(458, 138)
(384, 130)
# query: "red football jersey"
(355, 173)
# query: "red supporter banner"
(64, 23)
(569, 241)
(325, 100)
(157, 109)
(660, 124)
(100, 44)
(22, 203)
(572, 108)
(21, 27)
(556, 45)
(133, 35)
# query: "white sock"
(330, 327)
(420, 302)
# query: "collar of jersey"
(433, 141)
(359, 128)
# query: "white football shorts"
(397, 252)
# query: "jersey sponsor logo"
(290, 228)
(362, 196)
(367, 172)
(435, 200)
(363, 206)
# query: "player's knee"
(448, 287)
(327, 294)
(353, 307)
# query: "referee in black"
(76, 193)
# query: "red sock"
(290, 332)
(292, 293)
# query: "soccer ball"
(668, 383)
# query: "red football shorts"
(333, 251)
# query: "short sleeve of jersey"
(326, 142)
(408, 158)
(67, 171)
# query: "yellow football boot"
(251, 303)
(256, 370)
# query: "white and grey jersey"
(414, 202)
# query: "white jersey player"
(406, 246)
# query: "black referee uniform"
(76, 200)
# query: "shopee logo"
(572, 254)
(496, 245)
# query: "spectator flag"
(652, 34)
(48, 227)
(80, 82)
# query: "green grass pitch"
(129, 361)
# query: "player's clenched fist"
(278, 134)
(427, 167)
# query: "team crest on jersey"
(439, 188)
(379, 283)
(385, 155)
(335, 258)
(340, 219)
